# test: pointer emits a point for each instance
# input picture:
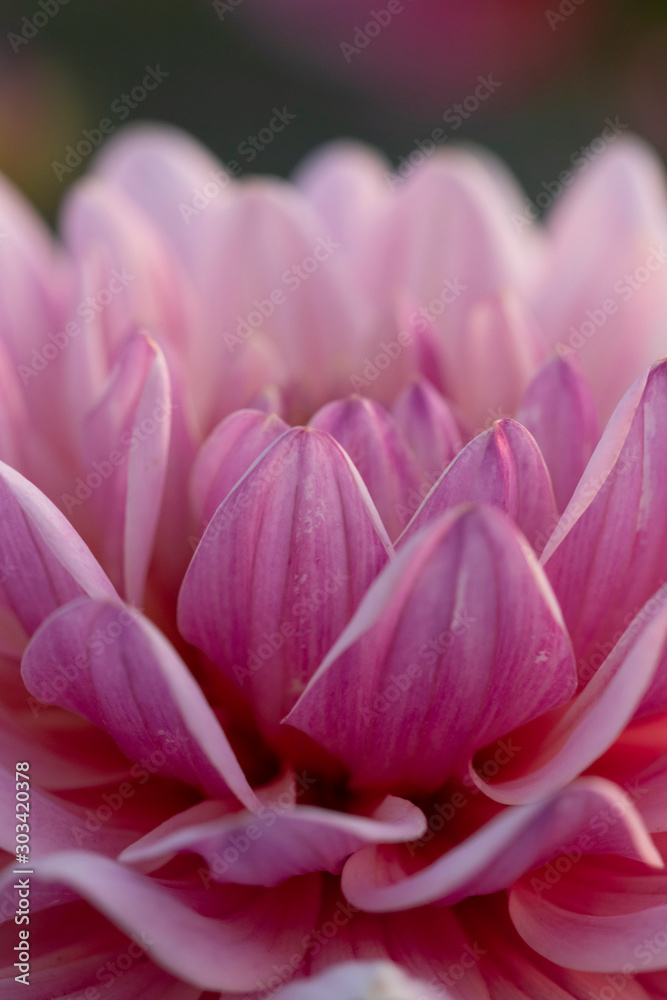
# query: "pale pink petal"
(128, 680)
(502, 467)
(381, 455)
(494, 358)
(282, 567)
(227, 454)
(606, 272)
(559, 411)
(171, 178)
(491, 859)
(141, 281)
(457, 642)
(273, 269)
(346, 182)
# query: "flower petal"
(125, 678)
(559, 411)
(491, 859)
(372, 440)
(126, 446)
(457, 642)
(608, 553)
(429, 426)
(228, 453)
(502, 467)
(277, 843)
(45, 563)
(283, 565)
(606, 272)
(595, 918)
(229, 951)
(557, 752)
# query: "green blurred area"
(222, 87)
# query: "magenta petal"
(608, 553)
(229, 952)
(502, 467)
(282, 567)
(457, 642)
(628, 680)
(516, 841)
(45, 562)
(278, 843)
(429, 426)
(559, 411)
(228, 453)
(125, 678)
(372, 440)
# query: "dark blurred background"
(385, 72)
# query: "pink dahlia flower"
(333, 582)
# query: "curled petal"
(457, 642)
(492, 858)
(229, 951)
(277, 843)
